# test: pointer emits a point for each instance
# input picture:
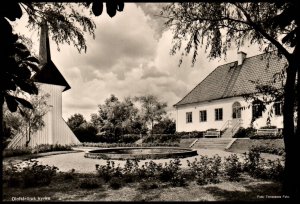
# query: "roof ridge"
(221, 67)
(218, 67)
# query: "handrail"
(226, 125)
(14, 141)
(236, 125)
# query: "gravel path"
(77, 161)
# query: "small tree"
(28, 121)
(165, 126)
(152, 110)
(75, 121)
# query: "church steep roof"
(49, 73)
(230, 80)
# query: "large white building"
(50, 81)
(218, 103)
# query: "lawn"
(88, 186)
(243, 145)
(62, 189)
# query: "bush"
(165, 126)
(232, 167)
(20, 151)
(259, 168)
(116, 183)
(171, 173)
(129, 138)
(90, 183)
(277, 136)
(244, 133)
(269, 149)
(148, 185)
(108, 171)
(69, 175)
(206, 170)
(161, 138)
(32, 175)
(49, 148)
(107, 145)
(252, 160)
(193, 134)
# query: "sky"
(129, 57)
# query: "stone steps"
(212, 143)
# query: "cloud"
(152, 12)
(129, 57)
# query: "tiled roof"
(231, 79)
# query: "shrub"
(259, 168)
(129, 138)
(116, 183)
(108, 171)
(172, 173)
(206, 170)
(252, 160)
(193, 134)
(269, 149)
(275, 170)
(107, 145)
(169, 170)
(48, 148)
(148, 185)
(20, 151)
(31, 175)
(271, 136)
(232, 167)
(69, 175)
(165, 126)
(243, 133)
(90, 183)
(161, 138)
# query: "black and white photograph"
(116, 101)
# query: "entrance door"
(236, 110)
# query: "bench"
(267, 132)
(212, 133)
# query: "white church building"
(52, 82)
(217, 101)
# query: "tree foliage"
(75, 121)
(273, 25)
(220, 25)
(84, 131)
(152, 110)
(165, 126)
(118, 117)
(67, 24)
(26, 122)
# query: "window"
(203, 116)
(219, 114)
(236, 110)
(278, 108)
(189, 117)
(257, 108)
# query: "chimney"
(44, 52)
(241, 57)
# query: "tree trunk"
(1, 121)
(291, 173)
(29, 136)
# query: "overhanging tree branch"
(259, 29)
